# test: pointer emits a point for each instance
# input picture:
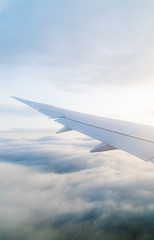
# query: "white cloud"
(105, 185)
(38, 202)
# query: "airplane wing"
(136, 139)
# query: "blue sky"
(94, 57)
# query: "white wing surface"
(134, 138)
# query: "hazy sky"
(90, 56)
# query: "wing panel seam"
(141, 139)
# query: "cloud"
(105, 195)
(42, 153)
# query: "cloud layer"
(53, 188)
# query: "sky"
(93, 57)
(90, 56)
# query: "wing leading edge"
(136, 139)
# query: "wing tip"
(13, 97)
(19, 99)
